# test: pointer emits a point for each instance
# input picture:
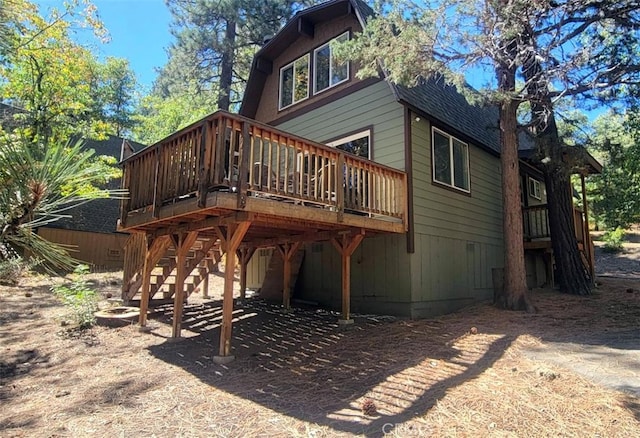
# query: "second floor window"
(294, 82)
(356, 144)
(450, 161)
(534, 189)
(329, 72)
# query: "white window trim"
(536, 193)
(356, 136)
(293, 95)
(433, 160)
(315, 64)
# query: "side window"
(294, 82)
(329, 72)
(357, 144)
(450, 161)
(534, 189)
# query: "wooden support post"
(346, 246)
(205, 278)
(153, 254)
(287, 251)
(183, 243)
(587, 237)
(230, 243)
(244, 256)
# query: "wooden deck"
(232, 183)
(227, 165)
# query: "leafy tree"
(614, 193)
(538, 52)
(63, 89)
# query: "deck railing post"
(340, 186)
(243, 168)
(203, 171)
(157, 197)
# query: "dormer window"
(329, 72)
(294, 82)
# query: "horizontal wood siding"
(458, 237)
(373, 106)
(380, 277)
(103, 251)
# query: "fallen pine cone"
(369, 408)
(473, 331)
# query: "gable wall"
(458, 238)
(324, 32)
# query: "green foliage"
(613, 240)
(12, 269)
(61, 86)
(614, 193)
(80, 299)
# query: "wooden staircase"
(273, 283)
(202, 259)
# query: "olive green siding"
(380, 279)
(458, 236)
(373, 106)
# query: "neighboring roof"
(7, 115)
(99, 215)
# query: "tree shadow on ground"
(304, 365)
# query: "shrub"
(613, 240)
(79, 297)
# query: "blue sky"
(139, 31)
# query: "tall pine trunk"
(513, 296)
(571, 274)
(226, 66)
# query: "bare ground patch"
(300, 374)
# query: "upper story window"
(357, 144)
(450, 161)
(329, 72)
(294, 82)
(534, 189)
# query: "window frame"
(315, 65)
(367, 132)
(451, 138)
(292, 64)
(537, 185)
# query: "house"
(391, 194)
(90, 231)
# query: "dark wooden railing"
(235, 154)
(535, 220)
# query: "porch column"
(153, 253)
(230, 242)
(346, 246)
(587, 237)
(244, 256)
(182, 243)
(287, 252)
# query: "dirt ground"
(301, 375)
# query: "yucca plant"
(39, 185)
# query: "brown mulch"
(300, 374)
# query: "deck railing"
(535, 220)
(231, 153)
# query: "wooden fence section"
(135, 249)
(231, 153)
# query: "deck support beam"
(182, 243)
(153, 254)
(230, 242)
(287, 252)
(244, 256)
(346, 247)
